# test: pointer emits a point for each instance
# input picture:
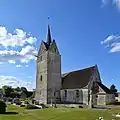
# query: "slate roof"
(77, 79)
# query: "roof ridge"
(81, 69)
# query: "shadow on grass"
(101, 108)
(9, 113)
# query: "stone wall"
(54, 76)
(72, 98)
(101, 99)
(41, 78)
(48, 77)
(110, 98)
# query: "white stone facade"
(74, 96)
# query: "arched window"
(41, 77)
(54, 94)
(77, 93)
(65, 93)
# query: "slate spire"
(49, 36)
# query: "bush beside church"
(2, 107)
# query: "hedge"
(29, 106)
(2, 107)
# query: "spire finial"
(48, 34)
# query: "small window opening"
(55, 49)
(41, 77)
(65, 93)
(40, 58)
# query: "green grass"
(58, 114)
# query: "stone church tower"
(48, 74)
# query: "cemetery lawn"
(58, 114)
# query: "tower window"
(65, 93)
(54, 94)
(40, 58)
(77, 93)
(41, 77)
(55, 49)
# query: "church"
(76, 87)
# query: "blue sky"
(86, 31)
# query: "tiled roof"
(77, 79)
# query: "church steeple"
(49, 36)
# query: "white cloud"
(110, 38)
(28, 50)
(116, 3)
(105, 2)
(112, 42)
(12, 61)
(29, 76)
(115, 48)
(18, 66)
(17, 38)
(25, 55)
(15, 82)
(26, 66)
(31, 40)
(1, 63)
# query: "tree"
(33, 95)
(7, 90)
(23, 89)
(113, 89)
(14, 94)
(17, 89)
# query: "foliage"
(33, 95)
(29, 106)
(2, 107)
(113, 89)
(17, 89)
(24, 99)
(14, 95)
(80, 106)
(43, 106)
(7, 90)
(23, 89)
(29, 94)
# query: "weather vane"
(48, 20)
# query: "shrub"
(18, 103)
(22, 105)
(26, 102)
(80, 106)
(36, 103)
(24, 99)
(43, 106)
(2, 107)
(29, 106)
